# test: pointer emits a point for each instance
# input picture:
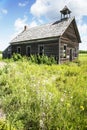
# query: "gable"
(72, 32)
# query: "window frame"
(41, 45)
(27, 50)
(18, 48)
(65, 51)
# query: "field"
(44, 97)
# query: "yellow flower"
(82, 108)
(68, 105)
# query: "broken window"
(41, 50)
(64, 51)
(19, 50)
(28, 50)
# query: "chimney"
(25, 27)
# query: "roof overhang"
(35, 41)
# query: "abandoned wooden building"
(59, 39)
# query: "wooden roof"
(50, 30)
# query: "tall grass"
(83, 57)
(42, 97)
(0, 56)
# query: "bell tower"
(65, 13)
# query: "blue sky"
(14, 15)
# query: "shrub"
(33, 59)
(4, 125)
(37, 59)
(42, 59)
(16, 57)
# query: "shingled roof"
(44, 31)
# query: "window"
(28, 50)
(41, 49)
(64, 51)
(19, 50)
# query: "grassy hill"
(43, 97)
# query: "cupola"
(65, 13)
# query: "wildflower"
(62, 99)
(82, 108)
(68, 105)
(65, 91)
(71, 97)
(41, 124)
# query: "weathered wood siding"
(7, 52)
(51, 48)
(70, 33)
(69, 39)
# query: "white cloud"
(20, 23)
(23, 4)
(83, 32)
(40, 21)
(51, 9)
(33, 24)
(19, 26)
(39, 8)
(4, 11)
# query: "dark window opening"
(64, 51)
(41, 50)
(28, 50)
(19, 50)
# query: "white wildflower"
(62, 99)
(41, 124)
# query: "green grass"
(37, 97)
(0, 57)
(83, 57)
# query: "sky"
(15, 14)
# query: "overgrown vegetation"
(42, 97)
(37, 59)
(4, 125)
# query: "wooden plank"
(70, 33)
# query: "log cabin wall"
(70, 41)
(51, 48)
(70, 46)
